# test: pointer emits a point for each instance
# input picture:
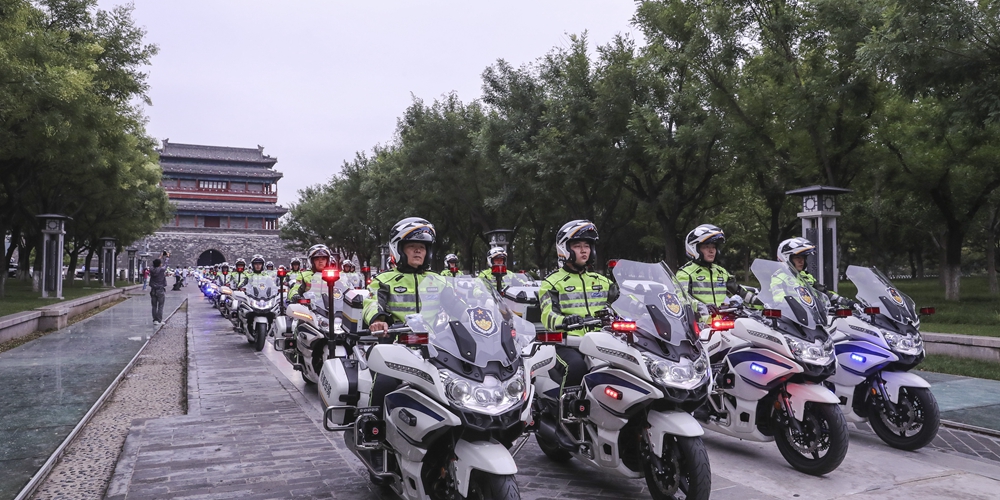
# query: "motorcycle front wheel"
(682, 472)
(821, 443)
(260, 336)
(915, 422)
(485, 486)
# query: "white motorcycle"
(876, 344)
(306, 329)
(464, 398)
(769, 368)
(631, 415)
(257, 308)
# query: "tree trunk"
(74, 257)
(24, 262)
(991, 262)
(953, 263)
(86, 266)
(5, 267)
(920, 263)
(668, 227)
(913, 265)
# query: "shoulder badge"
(570, 288)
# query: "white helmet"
(576, 230)
(411, 229)
(794, 246)
(450, 257)
(705, 233)
(496, 252)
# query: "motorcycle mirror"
(872, 310)
(772, 313)
(927, 310)
(844, 313)
(550, 337)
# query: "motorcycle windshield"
(465, 317)
(875, 290)
(650, 295)
(261, 287)
(797, 300)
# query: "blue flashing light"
(758, 368)
(857, 357)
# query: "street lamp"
(108, 261)
(819, 226)
(383, 251)
(53, 232)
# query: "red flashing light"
(501, 269)
(872, 310)
(368, 281)
(414, 339)
(331, 274)
(927, 310)
(723, 324)
(844, 313)
(624, 326)
(612, 393)
(550, 337)
(612, 263)
(282, 272)
(366, 269)
(772, 313)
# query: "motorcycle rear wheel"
(923, 420)
(684, 460)
(485, 486)
(552, 450)
(823, 430)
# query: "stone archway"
(211, 257)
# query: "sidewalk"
(966, 400)
(50, 383)
(245, 435)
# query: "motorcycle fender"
(800, 394)
(896, 380)
(677, 423)
(259, 319)
(492, 458)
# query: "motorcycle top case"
(523, 300)
(354, 302)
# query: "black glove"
(572, 319)
(713, 310)
(820, 287)
(733, 287)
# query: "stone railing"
(56, 315)
(962, 346)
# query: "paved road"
(253, 431)
(50, 383)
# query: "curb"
(971, 428)
(43, 472)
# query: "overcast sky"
(314, 82)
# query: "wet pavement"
(50, 383)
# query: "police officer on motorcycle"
(239, 277)
(571, 294)
(793, 252)
(704, 279)
(451, 264)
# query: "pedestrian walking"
(158, 290)
(145, 278)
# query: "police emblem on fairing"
(895, 295)
(804, 294)
(671, 304)
(482, 321)
(337, 294)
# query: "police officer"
(497, 256)
(703, 279)
(793, 252)
(570, 294)
(319, 257)
(451, 263)
(395, 293)
(239, 277)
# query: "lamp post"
(383, 252)
(108, 261)
(53, 232)
(819, 226)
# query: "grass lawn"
(19, 296)
(960, 366)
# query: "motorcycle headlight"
(815, 353)
(904, 344)
(323, 322)
(492, 396)
(685, 374)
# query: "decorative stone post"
(53, 232)
(131, 263)
(819, 225)
(108, 261)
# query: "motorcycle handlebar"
(588, 321)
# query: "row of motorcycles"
(253, 308)
(476, 379)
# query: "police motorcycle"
(257, 308)
(769, 367)
(877, 342)
(308, 323)
(464, 399)
(646, 373)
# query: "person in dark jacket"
(158, 290)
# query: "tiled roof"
(217, 153)
(215, 169)
(228, 207)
